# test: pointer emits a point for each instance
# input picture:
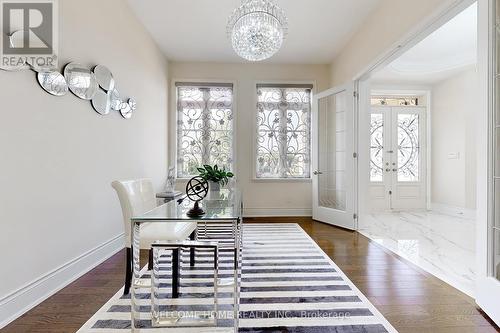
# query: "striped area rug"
(288, 284)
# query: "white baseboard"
(263, 212)
(25, 298)
(465, 213)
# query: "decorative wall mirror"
(104, 77)
(81, 81)
(53, 82)
(102, 102)
(97, 85)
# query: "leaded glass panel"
(376, 147)
(283, 132)
(408, 147)
(394, 101)
(204, 127)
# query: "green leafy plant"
(215, 174)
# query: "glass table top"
(225, 205)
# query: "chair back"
(136, 197)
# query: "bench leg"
(191, 250)
(175, 273)
(128, 271)
(150, 260)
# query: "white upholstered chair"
(137, 197)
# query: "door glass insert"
(496, 167)
(332, 151)
(377, 147)
(496, 207)
(496, 253)
(394, 101)
(408, 147)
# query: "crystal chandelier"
(257, 29)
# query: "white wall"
(387, 24)
(393, 23)
(454, 107)
(59, 156)
(262, 197)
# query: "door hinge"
(355, 94)
(354, 155)
(355, 216)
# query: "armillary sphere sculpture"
(196, 190)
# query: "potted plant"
(215, 176)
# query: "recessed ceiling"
(447, 51)
(195, 30)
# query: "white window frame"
(254, 131)
(172, 118)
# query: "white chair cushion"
(151, 232)
(137, 197)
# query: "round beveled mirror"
(126, 111)
(81, 81)
(128, 108)
(102, 102)
(132, 103)
(116, 102)
(16, 40)
(104, 77)
(53, 83)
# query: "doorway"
(412, 239)
(398, 166)
(417, 146)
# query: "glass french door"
(495, 229)
(397, 157)
(333, 157)
(488, 203)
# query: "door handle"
(317, 173)
(394, 170)
(387, 170)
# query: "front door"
(333, 160)
(397, 157)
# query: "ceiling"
(195, 30)
(447, 51)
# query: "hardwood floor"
(411, 299)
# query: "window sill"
(264, 180)
(282, 180)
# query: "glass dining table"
(223, 210)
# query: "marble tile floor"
(441, 244)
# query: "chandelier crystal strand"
(257, 29)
